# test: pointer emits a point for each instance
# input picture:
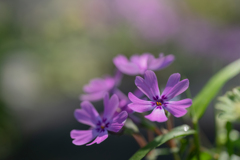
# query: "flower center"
(102, 126)
(158, 103)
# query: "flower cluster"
(120, 107)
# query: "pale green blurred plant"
(229, 105)
(228, 112)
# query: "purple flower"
(156, 20)
(124, 101)
(99, 125)
(138, 64)
(97, 87)
(160, 102)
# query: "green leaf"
(174, 133)
(205, 156)
(202, 100)
(158, 152)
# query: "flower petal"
(115, 127)
(179, 88)
(87, 115)
(167, 61)
(151, 80)
(138, 93)
(149, 85)
(111, 107)
(106, 100)
(139, 105)
(121, 96)
(118, 122)
(121, 117)
(92, 96)
(172, 81)
(82, 137)
(122, 63)
(159, 63)
(99, 84)
(141, 61)
(185, 103)
(154, 63)
(177, 108)
(84, 117)
(101, 137)
(94, 85)
(176, 111)
(158, 114)
(118, 77)
(142, 86)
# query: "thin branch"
(140, 139)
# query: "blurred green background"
(50, 49)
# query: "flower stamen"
(158, 103)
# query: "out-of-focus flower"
(156, 20)
(97, 87)
(157, 103)
(138, 64)
(205, 38)
(123, 104)
(229, 105)
(99, 125)
(124, 101)
(225, 155)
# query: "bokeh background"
(50, 49)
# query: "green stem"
(176, 156)
(196, 139)
(150, 135)
(172, 143)
(139, 139)
(229, 142)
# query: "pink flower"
(156, 20)
(158, 102)
(97, 87)
(138, 64)
(99, 125)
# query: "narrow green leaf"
(176, 132)
(202, 100)
(158, 152)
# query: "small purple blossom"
(124, 101)
(97, 87)
(138, 64)
(160, 102)
(99, 125)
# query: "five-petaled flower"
(97, 87)
(160, 102)
(100, 125)
(138, 64)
